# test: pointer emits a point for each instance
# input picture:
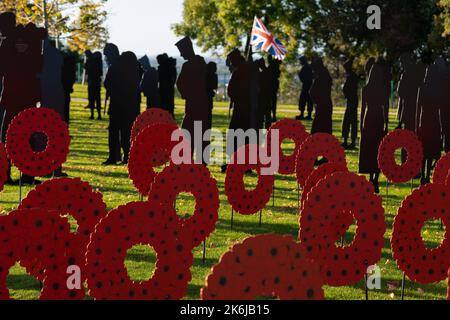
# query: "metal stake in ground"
(403, 286)
(204, 251)
(232, 218)
(20, 188)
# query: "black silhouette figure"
(350, 122)
(52, 90)
(428, 119)
(192, 86)
(264, 113)
(123, 84)
(21, 52)
(368, 67)
(408, 88)
(212, 83)
(445, 109)
(274, 73)
(149, 83)
(94, 71)
(374, 123)
(306, 77)
(321, 96)
(167, 71)
(68, 78)
(112, 54)
(387, 79)
(239, 91)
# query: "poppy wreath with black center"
(422, 264)
(329, 210)
(149, 117)
(287, 129)
(264, 265)
(137, 223)
(320, 173)
(148, 152)
(408, 141)
(3, 166)
(41, 235)
(195, 179)
(242, 200)
(66, 196)
(21, 130)
(442, 170)
(316, 145)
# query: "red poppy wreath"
(68, 197)
(287, 129)
(242, 200)
(149, 117)
(422, 264)
(24, 127)
(442, 170)
(408, 141)
(318, 174)
(329, 210)
(316, 145)
(264, 265)
(148, 152)
(38, 235)
(197, 180)
(137, 223)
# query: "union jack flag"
(264, 40)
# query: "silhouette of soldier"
(239, 91)
(374, 124)
(52, 90)
(306, 77)
(94, 71)
(22, 53)
(149, 83)
(445, 109)
(274, 73)
(264, 113)
(192, 86)
(123, 83)
(350, 122)
(428, 121)
(407, 91)
(387, 79)
(212, 83)
(112, 54)
(321, 96)
(167, 71)
(69, 75)
(368, 67)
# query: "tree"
(224, 25)
(90, 18)
(445, 16)
(336, 28)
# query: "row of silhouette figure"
(424, 107)
(35, 72)
(32, 72)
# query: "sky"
(143, 26)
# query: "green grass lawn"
(89, 149)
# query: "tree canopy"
(81, 22)
(334, 27)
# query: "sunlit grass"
(89, 149)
